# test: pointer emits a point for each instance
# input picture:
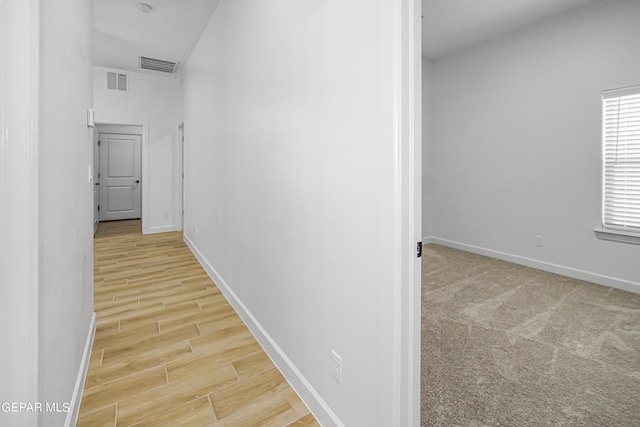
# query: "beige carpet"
(507, 345)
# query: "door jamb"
(180, 193)
(407, 174)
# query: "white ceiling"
(451, 25)
(171, 30)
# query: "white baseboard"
(318, 407)
(588, 276)
(74, 405)
(160, 229)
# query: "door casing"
(105, 128)
(96, 180)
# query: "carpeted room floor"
(507, 345)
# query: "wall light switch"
(90, 121)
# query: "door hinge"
(98, 207)
(419, 249)
(98, 174)
(98, 143)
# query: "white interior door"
(96, 180)
(120, 187)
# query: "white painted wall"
(65, 199)
(153, 101)
(516, 142)
(46, 240)
(290, 191)
(18, 209)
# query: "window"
(621, 160)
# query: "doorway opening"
(118, 172)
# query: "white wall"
(290, 192)
(18, 209)
(516, 146)
(65, 225)
(47, 245)
(153, 101)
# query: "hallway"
(298, 177)
(169, 349)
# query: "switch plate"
(90, 119)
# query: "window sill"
(617, 236)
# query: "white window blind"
(621, 156)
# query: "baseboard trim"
(612, 282)
(160, 229)
(318, 407)
(74, 405)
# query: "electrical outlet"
(165, 214)
(538, 240)
(336, 366)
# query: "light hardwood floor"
(169, 350)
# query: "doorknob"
(137, 181)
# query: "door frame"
(179, 179)
(133, 129)
(407, 108)
(96, 179)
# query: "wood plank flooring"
(169, 350)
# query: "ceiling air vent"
(158, 65)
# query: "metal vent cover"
(158, 65)
(117, 81)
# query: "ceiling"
(171, 30)
(451, 25)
